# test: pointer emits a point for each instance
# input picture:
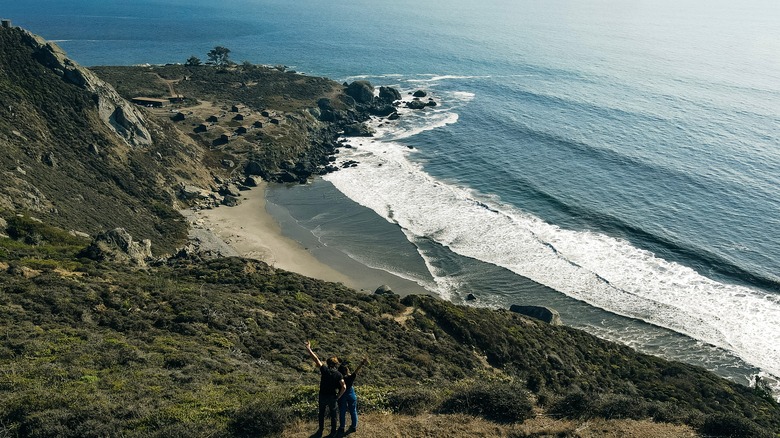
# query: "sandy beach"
(247, 230)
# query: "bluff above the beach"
(175, 345)
(80, 155)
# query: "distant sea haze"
(615, 160)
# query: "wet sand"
(247, 230)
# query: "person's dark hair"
(343, 369)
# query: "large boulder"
(358, 130)
(361, 91)
(190, 192)
(546, 314)
(389, 94)
(118, 246)
(382, 110)
(416, 104)
(383, 290)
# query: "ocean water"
(614, 160)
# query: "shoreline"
(248, 230)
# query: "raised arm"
(313, 355)
(363, 362)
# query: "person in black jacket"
(332, 387)
(348, 402)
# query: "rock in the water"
(471, 297)
(546, 314)
(389, 94)
(361, 91)
(358, 130)
(420, 93)
(416, 104)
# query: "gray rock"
(420, 93)
(383, 290)
(49, 159)
(358, 130)
(546, 314)
(253, 181)
(231, 201)
(189, 192)
(389, 94)
(361, 91)
(416, 104)
(117, 245)
(230, 190)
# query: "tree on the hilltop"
(192, 61)
(219, 55)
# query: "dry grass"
(430, 425)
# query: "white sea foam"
(603, 271)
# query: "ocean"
(617, 161)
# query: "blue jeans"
(348, 401)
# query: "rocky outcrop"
(389, 94)
(546, 314)
(383, 290)
(361, 91)
(117, 113)
(358, 130)
(118, 246)
(416, 104)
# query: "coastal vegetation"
(187, 345)
(194, 347)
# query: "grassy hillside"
(211, 348)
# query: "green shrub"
(730, 425)
(499, 402)
(618, 406)
(260, 418)
(573, 405)
(412, 401)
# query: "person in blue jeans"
(348, 401)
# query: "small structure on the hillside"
(178, 117)
(234, 108)
(276, 121)
(258, 124)
(238, 117)
(212, 119)
(6, 23)
(151, 102)
(201, 128)
(241, 130)
(267, 113)
(176, 98)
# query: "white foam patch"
(605, 272)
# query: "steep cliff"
(77, 155)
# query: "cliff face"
(77, 155)
(115, 112)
